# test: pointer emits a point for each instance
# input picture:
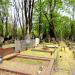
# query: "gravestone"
(37, 41)
(27, 41)
(17, 45)
(23, 44)
(32, 44)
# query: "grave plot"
(36, 53)
(40, 51)
(28, 62)
(44, 49)
(22, 66)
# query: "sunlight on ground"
(8, 46)
(34, 53)
(64, 61)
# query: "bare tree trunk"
(14, 28)
(17, 13)
(2, 25)
(6, 27)
(23, 28)
(52, 29)
(50, 19)
(28, 9)
(31, 13)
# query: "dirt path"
(64, 61)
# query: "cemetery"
(37, 37)
(20, 58)
(33, 58)
(40, 59)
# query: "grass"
(8, 45)
(29, 61)
(36, 53)
(64, 64)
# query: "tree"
(4, 4)
(28, 9)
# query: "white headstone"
(37, 41)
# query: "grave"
(23, 44)
(27, 41)
(26, 68)
(37, 41)
(17, 45)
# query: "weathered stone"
(17, 45)
(23, 44)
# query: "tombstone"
(33, 43)
(27, 41)
(37, 41)
(17, 45)
(23, 44)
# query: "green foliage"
(19, 33)
(64, 26)
(1, 27)
(36, 30)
